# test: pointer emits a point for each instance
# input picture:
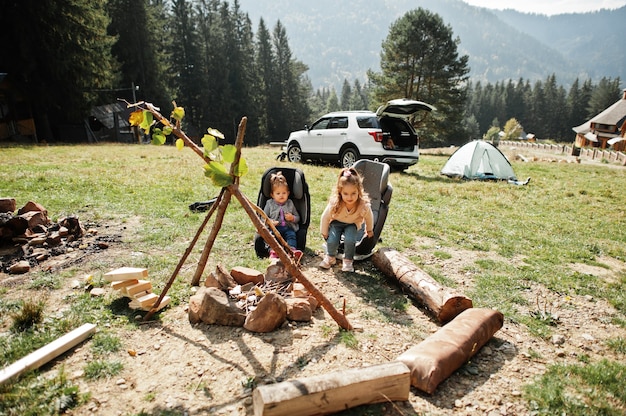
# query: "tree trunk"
(444, 302)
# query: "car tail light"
(377, 135)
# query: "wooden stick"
(47, 352)
(223, 204)
(219, 219)
(182, 260)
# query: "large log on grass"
(333, 392)
(445, 303)
(438, 356)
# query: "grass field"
(568, 214)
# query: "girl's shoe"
(328, 262)
(347, 266)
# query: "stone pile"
(246, 297)
(29, 237)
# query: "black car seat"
(376, 184)
(299, 194)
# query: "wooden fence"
(583, 153)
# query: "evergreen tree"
(332, 103)
(358, 99)
(291, 111)
(141, 49)
(264, 64)
(59, 55)
(190, 82)
(419, 60)
(346, 94)
(605, 94)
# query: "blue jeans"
(288, 234)
(350, 235)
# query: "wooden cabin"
(606, 130)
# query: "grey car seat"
(299, 194)
(376, 184)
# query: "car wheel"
(348, 157)
(294, 153)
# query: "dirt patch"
(202, 369)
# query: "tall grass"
(568, 214)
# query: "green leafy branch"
(223, 164)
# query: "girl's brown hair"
(347, 176)
(278, 180)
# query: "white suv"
(347, 136)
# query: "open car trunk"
(397, 134)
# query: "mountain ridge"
(342, 40)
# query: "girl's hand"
(289, 217)
(325, 236)
(370, 234)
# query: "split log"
(444, 302)
(438, 356)
(331, 393)
(47, 352)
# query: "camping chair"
(376, 184)
(299, 194)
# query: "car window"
(338, 123)
(321, 124)
(367, 122)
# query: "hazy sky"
(549, 7)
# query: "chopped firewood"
(140, 286)
(145, 303)
(123, 283)
(126, 273)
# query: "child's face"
(280, 194)
(349, 195)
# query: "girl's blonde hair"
(278, 180)
(347, 176)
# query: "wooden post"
(47, 352)
(443, 302)
(331, 393)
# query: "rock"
(212, 306)
(73, 226)
(20, 267)
(7, 205)
(270, 313)
(299, 291)
(224, 278)
(299, 309)
(243, 275)
(276, 272)
(97, 292)
(211, 281)
(557, 339)
(11, 226)
(32, 206)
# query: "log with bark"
(445, 303)
(333, 392)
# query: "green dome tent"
(479, 160)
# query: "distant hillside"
(342, 39)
